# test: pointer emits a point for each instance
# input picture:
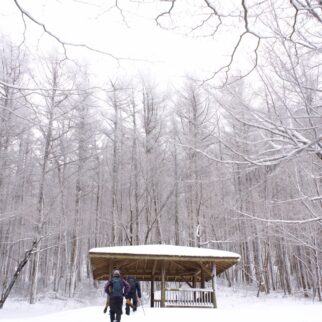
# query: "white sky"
(100, 25)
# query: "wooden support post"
(163, 284)
(152, 292)
(202, 282)
(194, 281)
(152, 282)
(194, 285)
(213, 282)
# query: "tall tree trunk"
(75, 244)
(176, 198)
(40, 199)
(115, 170)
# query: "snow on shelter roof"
(165, 250)
(145, 261)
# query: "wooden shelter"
(167, 263)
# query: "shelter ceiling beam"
(145, 264)
(188, 282)
(179, 265)
(155, 263)
(205, 269)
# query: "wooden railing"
(194, 297)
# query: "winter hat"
(116, 273)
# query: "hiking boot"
(127, 310)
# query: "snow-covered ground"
(235, 305)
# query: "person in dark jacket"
(116, 288)
(133, 295)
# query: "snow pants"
(132, 301)
(116, 304)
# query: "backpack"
(116, 287)
(132, 282)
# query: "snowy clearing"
(241, 306)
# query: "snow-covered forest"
(231, 160)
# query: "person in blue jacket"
(116, 288)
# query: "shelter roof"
(146, 262)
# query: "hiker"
(116, 288)
(133, 294)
